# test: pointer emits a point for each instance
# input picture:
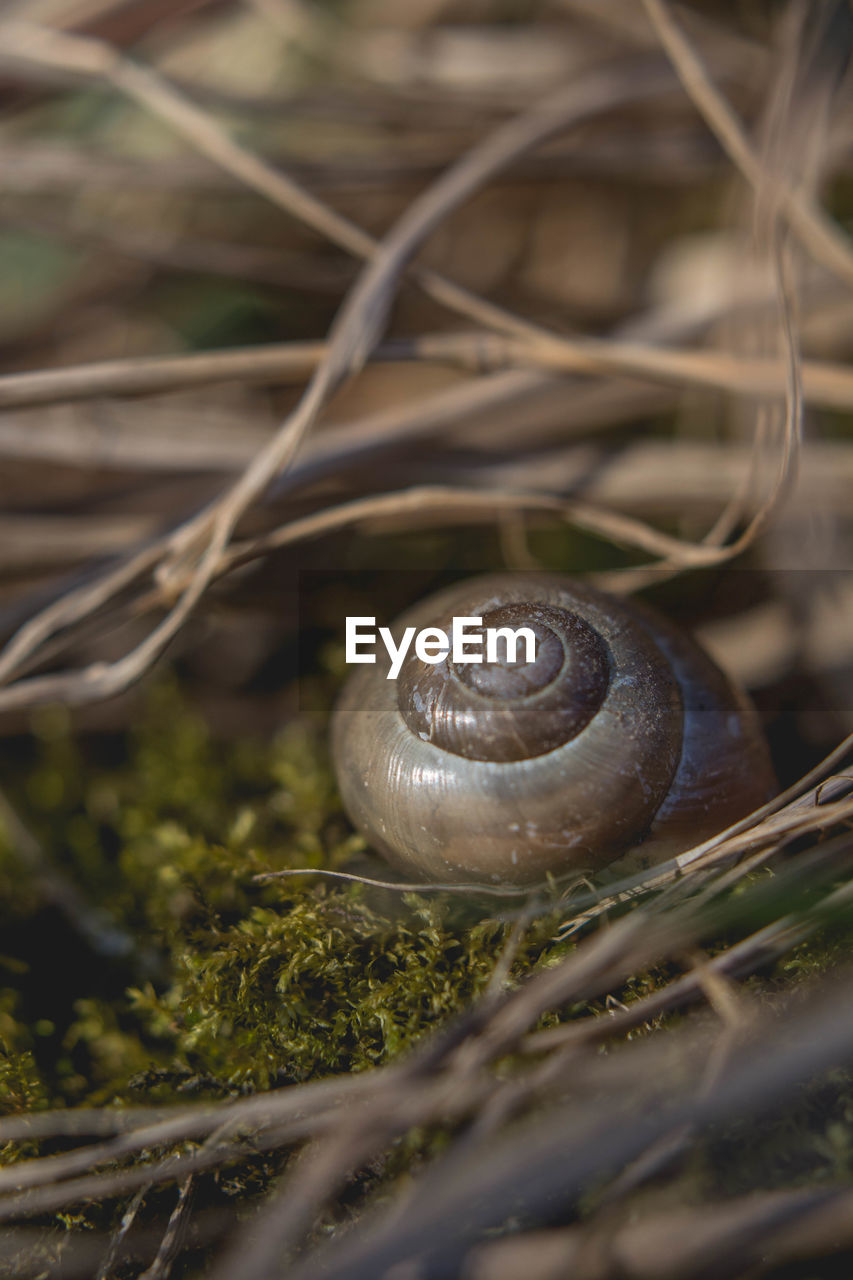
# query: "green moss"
(21, 1085)
(232, 984)
(317, 983)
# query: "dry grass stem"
(497, 317)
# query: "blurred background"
(220, 206)
(605, 330)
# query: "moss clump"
(316, 984)
(21, 1085)
(229, 984)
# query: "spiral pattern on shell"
(620, 733)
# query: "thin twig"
(817, 232)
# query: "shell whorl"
(506, 710)
(620, 733)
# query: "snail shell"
(620, 733)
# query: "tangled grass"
(228, 1045)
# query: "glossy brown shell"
(627, 735)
